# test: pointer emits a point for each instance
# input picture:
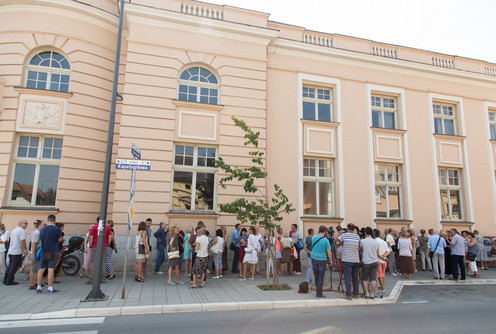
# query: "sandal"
(112, 276)
(139, 279)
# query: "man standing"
(93, 241)
(148, 222)
(390, 240)
(235, 244)
(17, 250)
(351, 261)
(50, 236)
(321, 251)
(423, 240)
(161, 235)
(308, 249)
(296, 236)
(35, 242)
(436, 244)
(370, 261)
(457, 254)
(383, 255)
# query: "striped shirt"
(351, 242)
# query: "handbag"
(470, 257)
(173, 255)
(215, 248)
(492, 251)
(248, 250)
(299, 245)
(141, 249)
(431, 253)
(232, 247)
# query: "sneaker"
(53, 291)
(320, 297)
(39, 291)
(348, 297)
(159, 273)
(241, 279)
(394, 274)
(297, 273)
(216, 277)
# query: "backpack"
(303, 287)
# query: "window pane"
(493, 131)
(325, 168)
(380, 201)
(438, 125)
(389, 120)
(28, 147)
(204, 197)
(47, 185)
(455, 204)
(442, 177)
(308, 92)
(324, 112)
(394, 202)
(376, 101)
(444, 204)
(182, 190)
(22, 189)
(376, 119)
(309, 110)
(437, 109)
(325, 198)
(388, 103)
(380, 172)
(309, 198)
(449, 128)
(393, 172)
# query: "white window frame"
(445, 117)
(387, 183)
(199, 85)
(382, 109)
(49, 71)
(316, 101)
(491, 114)
(194, 169)
(321, 179)
(38, 161)
(449, 187)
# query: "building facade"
(353, 130)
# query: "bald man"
(17, 250)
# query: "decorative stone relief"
(42, 114)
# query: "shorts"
(381, 270)
(278, 254)
(52, 263)
(369, 271)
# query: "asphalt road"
(420, 309)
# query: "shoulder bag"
(431, 253)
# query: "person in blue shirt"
(235, 244)
(436, 244)
(50, 236)
(161, 236)
(321, 255)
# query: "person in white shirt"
(370, 262)
(4, 237)
(201, 261)
(17, 250)
(384, 251)
(35, 242)
(217, 247)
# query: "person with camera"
(351, 261)
(321, 255)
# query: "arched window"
(48, 70)
(197, 84)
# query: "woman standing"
(447, 253)
(86, 256)
(472, 254)
(141, 250)
(482, 250)
(4, 237)
(287, 246)
(243, 241)
(413, 238)
(218, 251)
(201, 262)
(224, 251)
(187, 251)
(251, 256)
(110, 250)
(406, 262)
(174, 262)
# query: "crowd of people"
(362, 257)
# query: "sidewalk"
(154, 296)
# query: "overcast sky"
(456, 27)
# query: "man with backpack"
(321, 255)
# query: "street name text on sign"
(135, 151)
(132, 164)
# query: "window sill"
(43, 92)
(191, 214)
(442, 136)
(393, 220)
(375, 128)
(41, 209)
(309, 219)
(198, 105)
(458, 222)
(320, 123)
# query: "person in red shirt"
(93, 241)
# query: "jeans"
(160, 259)
(15, 262)
(438, 264)
(350, 270)
(392, 263)
(424, 257)
(457, 261)
(319, 268)
(309, 270)
(235, 260)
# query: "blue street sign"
(135, 151)
(131, 167)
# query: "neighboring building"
(353, 130)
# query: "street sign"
(135, 151)
(132, 164)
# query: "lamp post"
(96, 294)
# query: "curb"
(233, 306)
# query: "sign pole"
(130, 215)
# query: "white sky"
(456, 27)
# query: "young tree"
(261, 210)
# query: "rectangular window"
(318, 187)
(444, 118)
(387, 191)
(450, 189)
(194, 178)
(492, 124)
(36, 171)
(317, 104)
(384, 112)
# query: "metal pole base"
(95, 297)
